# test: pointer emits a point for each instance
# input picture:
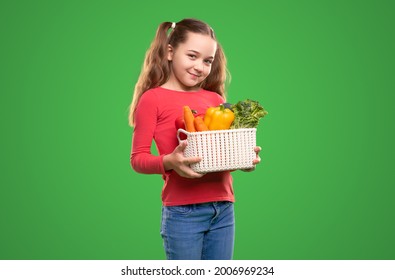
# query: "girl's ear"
(169, 52)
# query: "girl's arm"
(141, 159)
(146, 115)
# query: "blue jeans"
(198, 231)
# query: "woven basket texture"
(221, 149)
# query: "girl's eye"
(208, 61)
(192, 56)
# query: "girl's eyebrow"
(199, 53)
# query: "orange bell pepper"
(218, 118)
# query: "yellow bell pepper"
(218, 118)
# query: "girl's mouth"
(194, 75)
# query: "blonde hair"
(156, 68)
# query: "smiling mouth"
(195, 75)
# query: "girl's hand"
(256, 161)
(179, 163)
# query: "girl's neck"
(172, 86)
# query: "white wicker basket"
(221, 149)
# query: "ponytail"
(155, 70)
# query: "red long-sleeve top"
(155, 118)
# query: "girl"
(185, 65)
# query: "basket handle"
(180, 130)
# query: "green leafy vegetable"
(247, 114)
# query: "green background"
(324, 189)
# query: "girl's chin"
(191, 84)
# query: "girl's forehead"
(201, 43)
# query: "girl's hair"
(156, 68)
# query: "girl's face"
(191, 62)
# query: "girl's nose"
(199, 66)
